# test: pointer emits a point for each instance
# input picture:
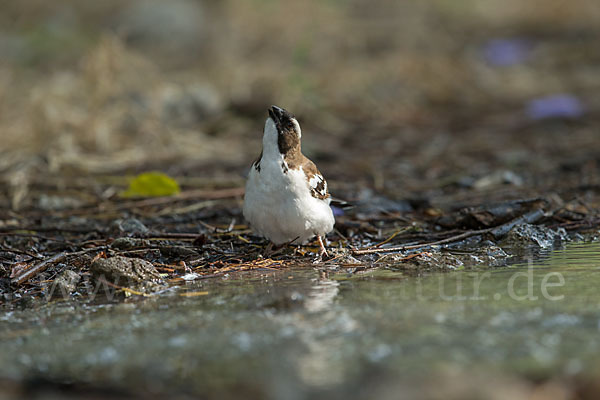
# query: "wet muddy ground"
(319, 332)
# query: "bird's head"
(283, 128)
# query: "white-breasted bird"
(286, 197)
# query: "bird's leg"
(322, 251)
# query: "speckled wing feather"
(316, 182)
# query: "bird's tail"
(344, 205)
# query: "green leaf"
(151, 184)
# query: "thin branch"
(17, 251)
(36, 269)
(496, 231)
(216, 194)
(40, 267)
(7, 229)
(417, 246)
(191, 194)
(33, 235)
(172, 235)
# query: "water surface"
(310, 333)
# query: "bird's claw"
(322, 249)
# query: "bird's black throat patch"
(256, 163)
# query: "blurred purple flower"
(556, 106)
(505, 52)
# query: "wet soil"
(322, 332)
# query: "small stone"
(542, 236)
(130, 225)
(494, 251)
(125, 243)
(191, 276)
(5, 286)
(498, 178)
(125, 271)
(65, 283)
(52, 203)
(436, 259)
(177, 251)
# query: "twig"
(36, 269)
(174, 235)
(17, 251)
(496, 231)
(125, 289)
(49, 229)
(575, 225)
(399, 231)
(213, 228)
(417, 246)
(188, 195)
(530, 218)
(191, 194)
(33, 235)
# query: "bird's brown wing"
(316, 183)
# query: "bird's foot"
(322, 249)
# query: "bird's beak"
(276, 113)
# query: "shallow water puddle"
(304, 333)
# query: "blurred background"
(414, 99)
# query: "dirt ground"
(441, 121)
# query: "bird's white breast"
(280, 206)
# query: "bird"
(286, 198)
